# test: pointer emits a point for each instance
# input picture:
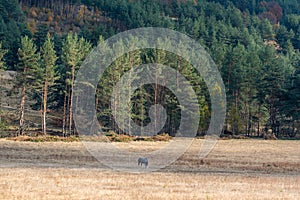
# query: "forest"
(255, 45)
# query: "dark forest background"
(255, 45)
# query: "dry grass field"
(235, 169)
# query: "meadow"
(235, 169)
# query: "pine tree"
(41, 35)
(158, 56)
(291, 93)
(2, 67)
(49, 58)
(28, 67)
(74, 51)
(234, 119)
(275, 70)
(130, 60)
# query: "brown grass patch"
(39, 183)
(235, 169)
(44, 138)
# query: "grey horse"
(142, 161)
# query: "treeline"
(39, 77)
(255, 45)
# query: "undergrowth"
(108, 137)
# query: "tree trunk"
(0, 97)
(22, 110)
(71, 101)
(155, 97)
(258, 123)
(129, 97)
(64, 116)
(178, 72)
(142, 110)
(45, 105)
(42, 111)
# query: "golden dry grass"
(235, 169)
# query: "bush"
(162, 137)
(46, 138)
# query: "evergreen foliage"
(255, 45)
